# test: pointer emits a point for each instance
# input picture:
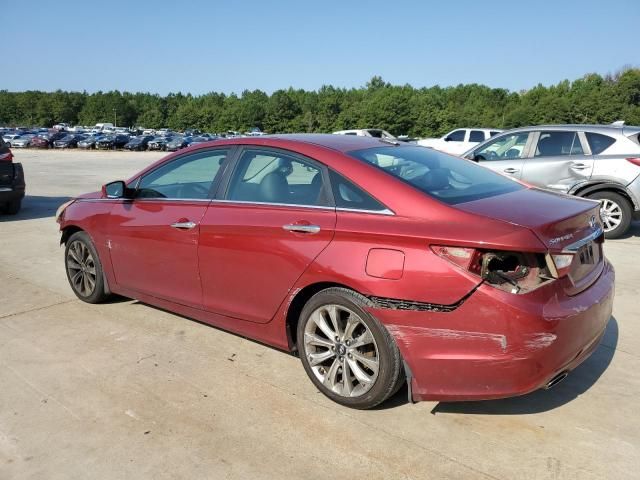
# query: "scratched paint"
(406, 332)
(537, 341)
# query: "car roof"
(341, 143)
(593, 128)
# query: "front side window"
(507, 147)
(456, 136)
(447, 178)
(551, 144)
(598, 142)
(266, 176)
(188, 177)
(476, 136)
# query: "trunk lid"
(563, 223)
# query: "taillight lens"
(459, 256)
(6, 157)
(634, 160)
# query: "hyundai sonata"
(377, 263)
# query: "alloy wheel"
(611, 214)
(341, 350)
(82, 268)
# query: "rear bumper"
(9, 194)
(498, 345)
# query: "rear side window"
(476, 136)
(348, 195)
(598, 142)
(457, 136)
(551, 144)
(493, 133)
(447, 178)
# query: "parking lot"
(125, 390)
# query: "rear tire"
(84, 270)
(13, 207)
(347, 353)
(615, 212)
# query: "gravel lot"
(125, 390)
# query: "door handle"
(302, 228)
(511, 170)
(183, 225)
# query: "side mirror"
(117, 189)
(447, 139)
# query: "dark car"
(177, 143)
(112, 141)
(377, 262)
(68, 141)
(159, 142)
(12, 184)
(138, 143)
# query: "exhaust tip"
(556, 380)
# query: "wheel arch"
(67, 232)
(586, 190)
(297, 304)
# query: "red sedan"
(376, 262)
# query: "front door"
(154, 237)
(505, 154)
(257, 240)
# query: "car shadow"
(634, 231)
(34, 207)
(577, 383)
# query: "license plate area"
(587, 254)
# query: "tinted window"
(494, 133)
(375, 133)
(476, 136)
(507, 147)
(457, 136)
(447, 178)
(188, 177)
(598, 142)
(348, 195)
(267, 176)
(558, 143)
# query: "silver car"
(601, 162)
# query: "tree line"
(399, 109)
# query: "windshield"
(449, 179)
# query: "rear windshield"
(449, 179)
(598, 142)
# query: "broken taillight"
(511, 271)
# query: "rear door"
(505, 154)
(560, 160)
(154, 238)
(273, 220)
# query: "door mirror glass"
(115, 189)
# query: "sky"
(226, 46)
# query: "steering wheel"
(193, 190)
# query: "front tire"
(615, 211)
(347, 353)
(84, 270)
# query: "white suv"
(460, 140)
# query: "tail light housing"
(514, 272)
(6, 156)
